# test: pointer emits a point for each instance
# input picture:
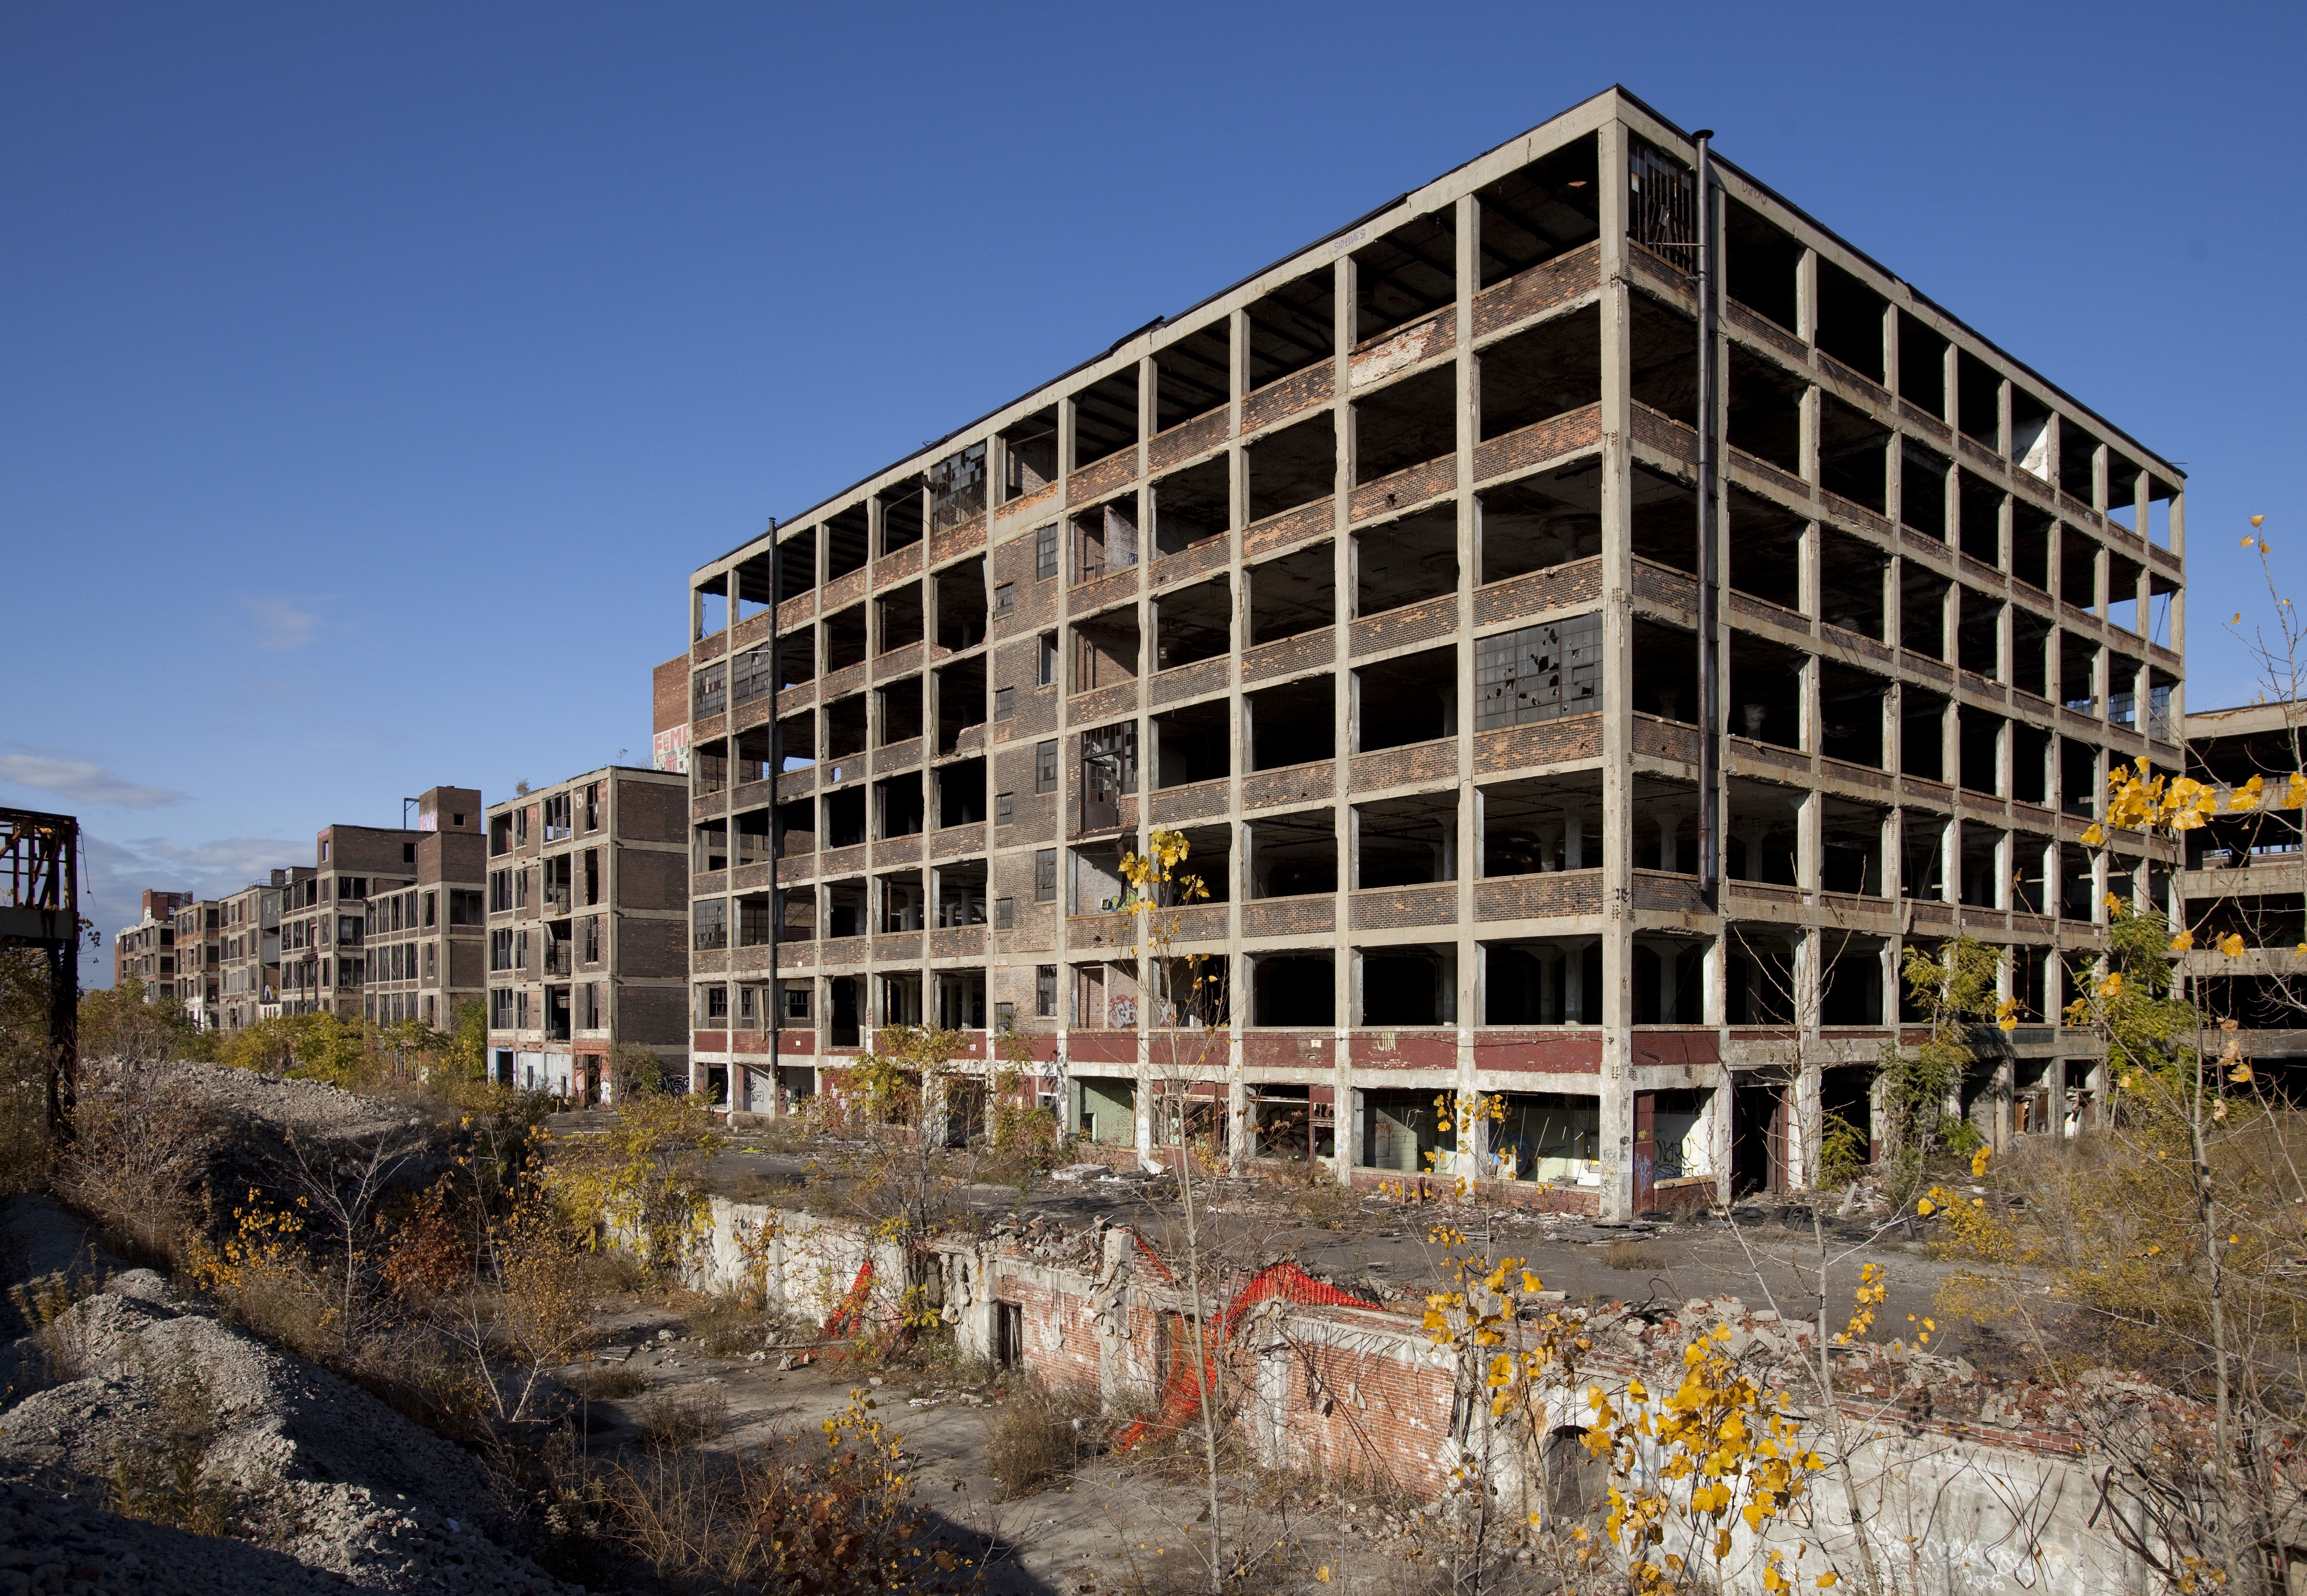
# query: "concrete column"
(1469, 838)
(1346, 988)
(1616, 1105)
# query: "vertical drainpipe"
(1710, 818)
(776, 823)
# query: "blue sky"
(373, 376)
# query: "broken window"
(1406, 561)
(1850, 320)
(1005, 808)
(1045, 553)
(1193, 623)
(1538, 673)
(1108, 769)
(1662, 204)
(1291, 329)
(1543, 210)
(1193, 376)
(1105, 539)
(1409, 984)
(796, 658)
(960, 702)
(751, 676)
(957, 488)
(1540, 521)
(845, 726)
(752, 833)
(1405, 424)
(1978, 510)
(1105, 649)
(1005, 600)
(712, 606)
(711, 694)
(2031, 433)
(1045, 875)
(711, 852)
(1293, 467)
(1293, 594)
(1979, 399)
(1766, 690)
(1045, 766)
(1105, 416)
(1666, 673)
(711, 918)
(1664, 516)
(1410, 698)
(1409, 273)
(1029, 453)
(1191, 506)
(1761, 265)
(1291, 724)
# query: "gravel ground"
(349, 1493)
(309, 1108)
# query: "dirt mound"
(305, 1108)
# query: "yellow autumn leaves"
(2140, 798)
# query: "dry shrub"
(263, 1278)
(733, 1325)
(160, 1473)
(607, 1382)
(1327, 1204)
(1031, 1438)
(682, 1418)
(1634, 1255)
(139, 1153)
(63, 1338)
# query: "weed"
(607, 1382)
(1634, 1255)
(46, 1306)
(682, 1418)
(1032, 1438)
(1328, 1205)
(159, 1476)
(731, 1327)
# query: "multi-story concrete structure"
(2246, 877)
(249, 938)
(199, 949)
(146, 950)
(1380, 575)
(426, 936)
(325, 964)
(589, 885)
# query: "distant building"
(146, 950)
(324, 963)
(587, 920)
(199, 959)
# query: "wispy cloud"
(115, 870)
(280, 624)
(82, 781)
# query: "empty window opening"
(2079, 777)
(1982, 873)
(1853, 455)
(844, 818)
(961, 793)
(1406, 561)
(1292, 723)
(846, 544)
(1850, 708)
(1293, 855)
(1411, 272)
(2077, 673)
(1761, 265)
(1293, 467)
(1109, 770)
(1664, 511)
(1029, 454)
(961, 894)
(1850, 847)
(1294, 989)
(1669, 989)
(2077, 462)
(753, 837)
(753, 920)
(1192, 505)
(1542, 981)
(712, 606)
(1849, 979)
(899, 613)
(1922, 734)
(1556, 1138)
(1850, 320)
(1105, 649)
(1765, 547)
(2122, 689)
(1544, 209)
(903, 900)
(2030, 649)
(1978, 508)
(845, 726)
(1406, 423)
(1098, 885)
(1666, 671)
(1542, 824)
(2029, 891)
(797, 562)
(1105, 416)
(1291, 327)
(1194, 623)
(2161, 496)
(2031, 433)
(843, 1007)
(960, 702)
(1293, 594)
(2123, 480)
(1547, 371)
(897, 804)
(1662, 356)
(2077, 568)
(957, 488)
(1763, 409)
(844, 638)
(709, 773)
(1978, 400)
(961, 604)
(1761, 833)
(1766, 690)
(1283, 1118)
(798, 905)
(1192, 744)
(1406, 842)
(1540, 521)
(1193, 992)
(1922, 843)
(1413, 698)
(1209, 860)
(751, 583)
(2030, 764)
(1978, 635)
(1538, 673)
(1193, 376)
(2122, 574)
(796, 828)
(1105, 539)
(1922, 610)
(901, 710)
(1851, 582)
(904, 512)
(796, 660)
(1922, 491)
(1922, 366)
(1415, 985)
(710, 847)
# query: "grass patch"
(607, 1382)
(1031, 1438)
(1634, 1255)
(731, 1327)
(674, 1419)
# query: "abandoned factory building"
(1379, 576)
